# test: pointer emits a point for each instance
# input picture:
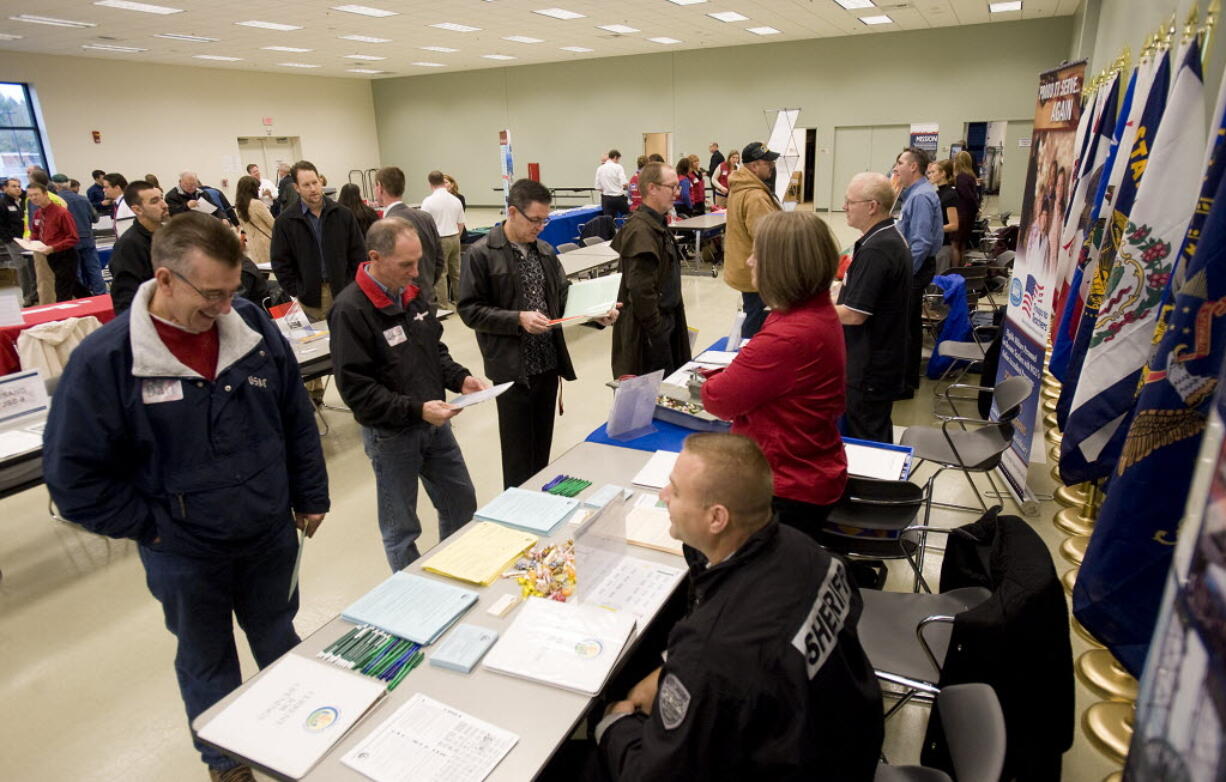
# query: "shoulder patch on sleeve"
(673, 701)
(820, 630)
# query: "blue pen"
(395, 667)
(553, 483)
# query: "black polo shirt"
(878, 284)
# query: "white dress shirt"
(611, 178)
(271, 187)
(446, 209)
(124, 217)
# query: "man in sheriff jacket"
(391, 368)
(765, 677)
(207, 456)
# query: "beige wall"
(163, 119)
(564, 115)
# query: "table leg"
(698, 245)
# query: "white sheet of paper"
(655, 473)
(293, 714)
(17, 442)
(592, 298)
(10, 307)
(623, 582)
(681, 377)
(33, 245)
(428, 741)
(721, 357)
(22, 393)
(204, 206)
(881, 463)
(477, 397)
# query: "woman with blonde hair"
(785, 389)
(253, 218)
(966, 184)
(941, 175)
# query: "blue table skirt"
(564, 228)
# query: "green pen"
(413, 662)
(361, 646)
(335, 646)
(365, 659)
(362, 636)
(391, 657)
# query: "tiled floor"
(89, 690)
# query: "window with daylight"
(21, 141)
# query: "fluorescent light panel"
(498, 57)
(579, 49)
(285, 28)
(182, 37)
(145, 8)
(687, 2)
(428, 64)
(106, 47)
(51, 20)
(883, 19)
(729, 16)
(365, 70)
(1011, 5)
(559, 13)
(293, 49)
(620, 29)
(763, 30)
(664, 40)
(443, 49)
(363, 57)
(10, 37)
(297, 65)
(364, 39)
(853, 4)
(217, 57)
(522, 39)
(456, 28)
(364, 10)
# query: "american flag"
(1033, 291)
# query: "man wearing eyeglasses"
(653, 334)
(872, 306)
(207, 456)
(511, 287)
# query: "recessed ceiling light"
(217, 57)
(285, 28)
(364, 39)
(181, 37)
(363, 57)
(106, 47)
(10, 37)
(728, 16)
(1012, 5)
(294, 49)
(763, 30)
(428, 64)
(128, 5)
(456, 28)
(664, 39)
(443, 49)
(579, 49)
(850, 4)
(620, 29)
(50, 20)
(522, 39)
(498, 57)
(883, 19)
(687, 2)
(364, 10)
(364, 70)
(559, 13)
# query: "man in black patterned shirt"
(511, 287)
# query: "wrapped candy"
(547, 572)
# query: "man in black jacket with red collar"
(391, 368)
(765, 677)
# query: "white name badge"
(154, 392)
(395, 335)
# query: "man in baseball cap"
(749, 198)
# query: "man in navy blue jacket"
(207, 456)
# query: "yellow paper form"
(480, 555)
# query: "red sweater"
(53, 226)
(785, 392)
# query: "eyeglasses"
(213, 297)
(847, 203)
(541, 221)
(667, 186)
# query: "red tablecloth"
(98, 306)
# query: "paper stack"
(412, 607)
(656, 472)
(534, 511)
(481, 554)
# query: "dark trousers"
(615, 206)
(755, 314)
(64, 265)
(804, 516)
(867, 417)
(201, 596)
(915, 322)
(525, 426)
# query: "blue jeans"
(399, 457)
(199, 597)
(755, 314)
(89, 273)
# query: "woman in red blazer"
(784, 390)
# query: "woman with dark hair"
(254, 219)
(684, 203)
(153, 180)
(941, 175)
(785, 388)
(967, 185)
(351, 198)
